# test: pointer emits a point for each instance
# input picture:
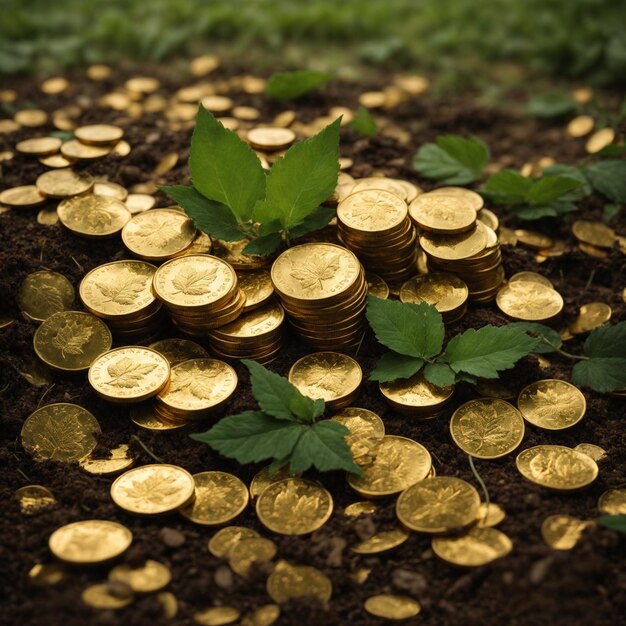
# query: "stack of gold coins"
(121, 294)
(323, 290)
(375, 225)
(256, 335)
(446, 292)
(92, 142)
(200, 292)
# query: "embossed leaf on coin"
(124, 290)
(316, 270)
(71, 338)
(199, 382)
(192, 282)
(153, 488)
(127, 373)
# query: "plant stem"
(146, 449)
(569, 355)
(481, 482)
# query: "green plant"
(363, 122)
(551, 105)
(232, 197)
(292, 85)
(414, 333)
(613, 522)
(286, 429)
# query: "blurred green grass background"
(465, 43)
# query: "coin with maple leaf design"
(563, 532)
(43, 293)
(298, 581)
(446, 292)
(438, 213)
(178, 350)
(557, 467)
(64, 183)
(153, 489)
(487, 428)
(529, 301)
(366, 432)
(382, 541)
(70, 341)
(225, 539)
(129, 374)
(219, 498)
(249, 550)
(93, 216)
(552, 404)
(331, 376)
(372, 210)
(478, 546)
(294, 506)
(613, 501)
(415, 396)
(257, 285)
(438, 505)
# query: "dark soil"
(533, 586)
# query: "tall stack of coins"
(121, 294)
(200, 292)
(323, 290)
(375, 225)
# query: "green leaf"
(439, 374)
(224, 168)
(611, 151)
(550, 188)
(602, 374)
(613, 522)
(551, 105)
(411, 329)
(324, 447)
(316, 220)
(363, 122)
(535, 212)
(608, 178)
(609, 211)
(607, 341)
(393, 366)
(544, 333)
(252, 436)
(292, 85)
(571, 171)
(507, 187)
(209, 216)
(487, 351)
(264, 245)
(301, 180)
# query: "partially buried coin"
(366, 432)
(562, 532)
(117, 462)
(248, 551)
(33, 498)
(63, 183)
(477, 547)
(225, 539)
(382, 541)
(23, 197)
(43, 293)
(147, 578)
(178, 350)
(106, 597)
(393, 607)
(296, 581)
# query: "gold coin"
(63, 183)
(39, 146)
(477, 547)
(225, 539)
(252, 326)
(562, 532)
(552, 404)
(54, 85)
(438, 213)
(454, 247)
(111, 190)
(415, 395)
(331, 376)
(48, 217)
(271, 139)
(90, 542)
(33, 498)
(98, 134)
(557, 467)
(93, 216)
(380, 183)
(144, 416)
(104, 596)
(129, 374)
(366, 432)
(580, 126)
(469, 197)
(599, 140)
(77, 151)
(119, 461)
(487, 428)
(595, 452)
(217, 616)
(490, 515)
(591, 316)
(219, 499)
(376, 286)
(31, 117)
(489, 218)
(43, 293)
(178, 350)
(8, 126)
(372, 211)
(169, 604)
(232, 253)
(70, 341)
(265, 615)
(446, 292)
(360, 508)
(294, 506)
(139, 202)
(257, 286)
(399, 463)
(263, 479)
(49, 574)
(248, 551)
(297, 581)
(533, 239)
(153, 489)
(438, 505)
(23, 197)
(382, 542)
(142, 84)
(532, 277)
(613, 502)
(594, 233)
(391, 606)
(529, 301)
(592, 251)
(159, 234)
(147, 578)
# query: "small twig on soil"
(45, 393)
(481, 482)
(591, 277)
(146, 449)
(43, 245)
(78, 265)
(21, 473)
(4, 388)
(360, 344)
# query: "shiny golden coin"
(438, 505)
(599, 140)
(595, 452)
(225, 539)
(31, 117)
(98, 134)
(232, 253)
(219, 499)
(360, 508)
(77, 151)
(98, 72)
(296, 581)
(442, 214)
(33, 498)
(591, 316)
(217, 616)
(415, 395)
(263, 479)
(111, 190)
(39, 146)
(139, 202)
(70, 341)
(54, 85)
(265, 615)
(23, 197)
(380, 183)
(203, 65)
(294, 506)
(143, 416)
(454, 247)
(366, 432)
(376, 286)
(217, 104)
(487, 428)
(392, 607)
(594, 233)
(477, 547)
(613, 502)
(169, 604)
(106, 597)
(382, 541)
(490, 515)
(529, 301)
(178, 350)
(557, 467)
(8, 126)
(592, 251)
(580, 126)
(43, 293)
(552, 404)
(48, 217)
(257, 286)
(119, 461)
(489, 218)
(248, 551)
(253, 325)
(532, 277)
(372, 211)
(63, 183)
(533, 239)
(446, 292)
(271, 139)
(46, 575)
(93, 216)
(159, 234)
(399, 463)
(562, 532)
(147, 578)
(90, 542)
(153, 489)
(469, 197)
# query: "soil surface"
(533, 586)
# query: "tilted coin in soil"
(297, 581)
(399, 463)
(90, 542)
(438, 505)
(149, 577)
(366, 431)
(376, 286)
(39, 146)
(33, 498)
(599, 140)
(613, 502)
(356, 509)
(107, 596)
(529, 301)
(594, 233)
(392, 607)
(382, 541)
(60, 432)
(591, 449)
(580, 126)
(249, 550)
(478, 546)
(178, 350)
(269, 138)
(43, 293)
(219, 498)
(563, 532)
(23, 197)
(93, 216)
(119, 461)
(438, 213)
(552, 404)
(225, 539)
(98, 134)
(592, 315)
(63, 183)
(490, 515)
(415, 396)
(262, 616)
(557, 467)
(294, 506)
(217, 616)
(153, 489)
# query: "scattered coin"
(552, 404)
(599, 140)
(415, 396)
(46, 574)
(296, 581)
(249, 550)
(613, 502)
(39, 146)
(111, 190)
(490, 515)
(477, 547)
(382, 541)
(590, 449)
(592, 315)
(99, 134)
(366, 432)
(580, 126)
(376, 286)
(562, 532)
(270, 139)
(263, 616)
(31, 117)
(178, 350)
(529, 301)
(63, 183)
(74, 150)
(93, 216)
(23, 197)
(392, 607)
(594, 233)
(106, 596)
(43, 293)
(263, 479)
(217, 616)
(446, 292)
(48, 217)
(360, 508)
(150, 577)
(119, 461)
(223, 540)
(169, 604)
(33, 498)
(531, 277)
